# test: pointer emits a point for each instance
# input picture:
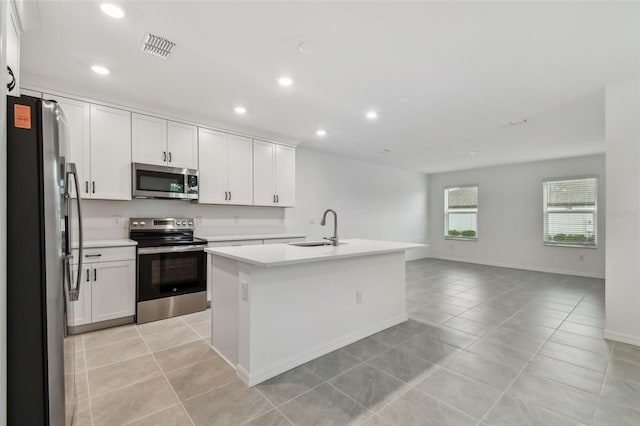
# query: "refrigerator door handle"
(74, 293)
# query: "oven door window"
(147, 180)
(170, 274)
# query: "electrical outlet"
(199, 220)
(358, 298)
(244, 290)
(581, 257)
(117, 219)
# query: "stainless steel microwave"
(151, 181)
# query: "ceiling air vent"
(157, 46)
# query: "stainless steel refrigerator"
(41, 370)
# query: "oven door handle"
(174, 249)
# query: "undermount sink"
(314, 244)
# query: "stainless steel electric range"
(171, 273)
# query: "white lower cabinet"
(79, 312)
(113, 291)
(107, 290)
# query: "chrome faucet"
(334, 239)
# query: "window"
(461, 212)
(570, 207)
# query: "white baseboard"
(622, 337)
(251, 379)
(516, 266)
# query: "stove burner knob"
(190, 223)
(135, 224)
(184, 222)
(142, 224)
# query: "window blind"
(570, 208)
(461, 212)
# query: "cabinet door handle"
(229, 195)
(93, 255)
(225, 195)
(87, 274)
(93, 187)
(164, 155)
(95, 275)
(277, 198)
(86, 186)
(169, 156)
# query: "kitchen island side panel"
(296, 313)
(223, 276)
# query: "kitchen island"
(277, 306)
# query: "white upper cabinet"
(273, 174)
(285, 168)
(212, 188)
(77, 148)
(110, 153)
(163, 143)
(182, 145)
(148, 139)
(264, 193)
(99, 143)
(240, 170)
(225, 168)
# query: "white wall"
(623, 212)
(372, 201)
(510, 226)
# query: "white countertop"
(218, 238)
(285, 254)
(106, 243)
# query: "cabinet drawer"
(105, 254)
(284, 240)
(234, 243)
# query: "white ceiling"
(466, 66)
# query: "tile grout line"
(527, 364)
(86, 372)
(593, 415)
(166, 378)
(274, 408)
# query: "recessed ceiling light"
(321, 132)
(405, 99)
(285, 81)
(112, 10)
(372, 115)
(472, 152)
(384, 151)
(307, 47)
(240, 110)
(99, 69)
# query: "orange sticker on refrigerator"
(22, 116)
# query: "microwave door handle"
(74, 293)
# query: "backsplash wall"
(105, 219)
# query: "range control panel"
(171, 223)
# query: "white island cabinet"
(278, 306)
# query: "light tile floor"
(484, 346)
